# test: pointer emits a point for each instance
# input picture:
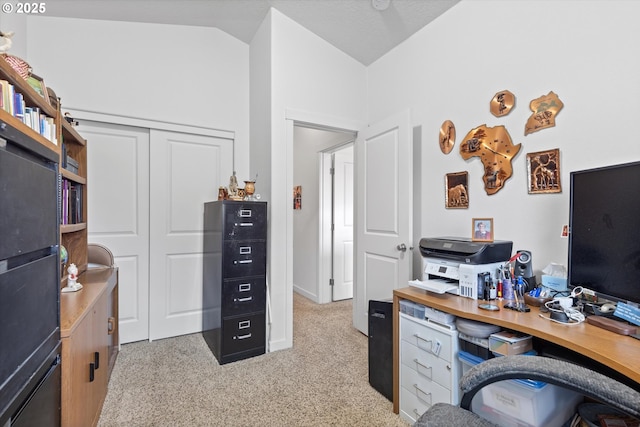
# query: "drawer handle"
(419, 390)
(96, 359)
(111, 325)
(419, 338)
(244, 287)
(419, 365)
(417, 414)
(246, 224)
(244, 324)
(247, 299)
(245, 213)
(92, 372)
(243, 337)
(243, 261)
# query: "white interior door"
(186, 171)
(118, 206)
(343, 224)
(383, 213)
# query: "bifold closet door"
(186, 171)
(118, 193)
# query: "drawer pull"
(246, 224)
(245, 213)
(419, 365)
(92, 372)
(245, 250)
(421, 391)
(244, 287)
(243, 261)
(247, 299)
(416, 413)
(244, 324)
(243, 337)
(419, 338)
(96, 359)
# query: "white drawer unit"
(429, 366)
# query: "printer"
(459, 265)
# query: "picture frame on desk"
(482, 229)
(37, 83)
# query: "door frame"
(325, 231)
(292, 118)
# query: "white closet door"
(118, 214)
(186, 171)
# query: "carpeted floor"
(321, 381)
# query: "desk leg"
(396, 355)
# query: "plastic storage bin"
(522, 403)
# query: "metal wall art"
(494, 148)
(456, 190)
(543, 170)
(447, 136)
(502, 103)
(545, 109)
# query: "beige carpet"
(321, 381)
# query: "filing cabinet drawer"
(245, 221)
(244, 258)
(241, 333)
(426, 364)
(429, 337)
(242, 296)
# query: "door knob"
(402, 247)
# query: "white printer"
(460, 266)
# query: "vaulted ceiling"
(356, 27)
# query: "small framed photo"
(456, 190)
(482, 229)
(37, 83)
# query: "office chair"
(99, 255)
(591, 384)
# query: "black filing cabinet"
(234, 279)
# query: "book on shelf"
(13, 103)
(72, 202)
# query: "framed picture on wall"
(543, 172)
(456, 190)
(482, 229)
(297, 197)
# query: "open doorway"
(313, 156)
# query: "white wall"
(193, 76)
(583, 51)
(307, 148)
(307, 75)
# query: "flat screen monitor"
(604, 231)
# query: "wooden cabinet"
(89, 345)
(234, 279)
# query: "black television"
(604, 232)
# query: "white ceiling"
(353, 26)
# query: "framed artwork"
(297, 197)
(543, 172)
(482, 229)
(37, 83)
(456, 190)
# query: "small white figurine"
(5, 41)
(72, 279)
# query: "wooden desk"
(619, 352)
